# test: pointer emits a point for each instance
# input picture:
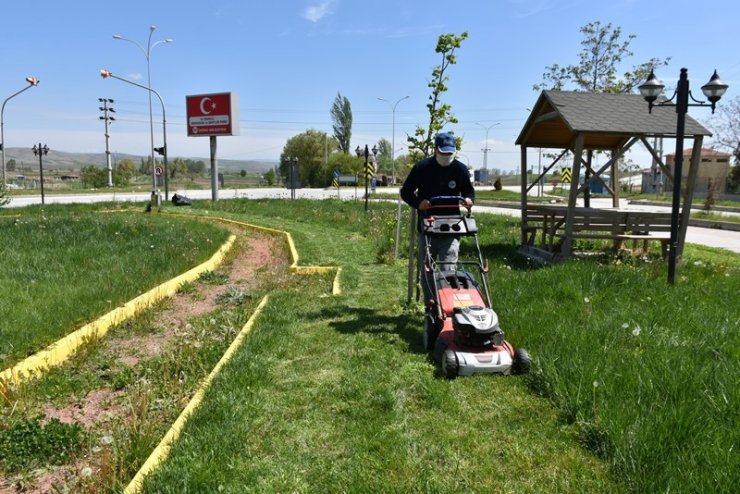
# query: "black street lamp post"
(650, 90)
(40, 151)
(293, 162)
(366, 169)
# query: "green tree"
(195, 168)
(341, 116)
(177, 167)
(603, 51)
(123, 173)
(309, 147)
(440, 114)
(10, 166)
(270, 177)
(92, 176)
(385, 156)
(243, 173)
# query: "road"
(703, 236)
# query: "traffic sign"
(158, 171)
(212, 114)
(336, 173)
(566, 176)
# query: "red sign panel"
(212, 114)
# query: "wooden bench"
(598, 224)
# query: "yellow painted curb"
(162, 451)
(59, 351)
(294, 267)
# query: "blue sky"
(288, 59)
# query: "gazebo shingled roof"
(607, 120)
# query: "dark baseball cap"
(445, 143)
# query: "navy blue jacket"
(427, 179)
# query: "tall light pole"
(393, 137)
(486, 149)
(650, 90)
(107, 118)
(104, 73)
(32, 81)
(147, 54)
(40, 151)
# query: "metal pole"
(682, 104)
(155, 192)
(41, 172)
(32, 81)
(365, 171)
(214, 170)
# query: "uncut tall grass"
(62, 267)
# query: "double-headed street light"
(366, 170)
(32, 81)
(147, 54)
(393, 137)
(40, 151)
(105, 73)
(650, 90)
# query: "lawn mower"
(461, 329)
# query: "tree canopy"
(604, 49)
(314, 150)
(440, 114)
(341, 116)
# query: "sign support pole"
(214, 170)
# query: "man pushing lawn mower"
(460, 327)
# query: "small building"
(713, 169)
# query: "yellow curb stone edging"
(59, 351)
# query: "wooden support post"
(524, 194)
(615, 180)
(572, 197)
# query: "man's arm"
(410, 185)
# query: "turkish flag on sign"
(212, 114)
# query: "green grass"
(634, 382)
(335, 394)
(62, 269)
(703, 215)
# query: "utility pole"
(107, 118)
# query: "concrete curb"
(59, 351)
(162, 451)
(294, 267)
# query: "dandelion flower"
(586, 299)
(596, 384)
(636, 331)
(625, 325)
(86, 472)
(106, 440)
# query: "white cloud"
(315, 13)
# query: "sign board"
(566, 176)
(158, 171)
(212, 114)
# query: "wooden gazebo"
(582, 123)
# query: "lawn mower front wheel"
(450, 364)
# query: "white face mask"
(445, 159)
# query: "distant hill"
(61, 160)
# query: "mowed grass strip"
(332, 395)
(644, 374)
(63, 267)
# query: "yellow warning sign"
(566, 176)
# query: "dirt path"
(253, 260)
